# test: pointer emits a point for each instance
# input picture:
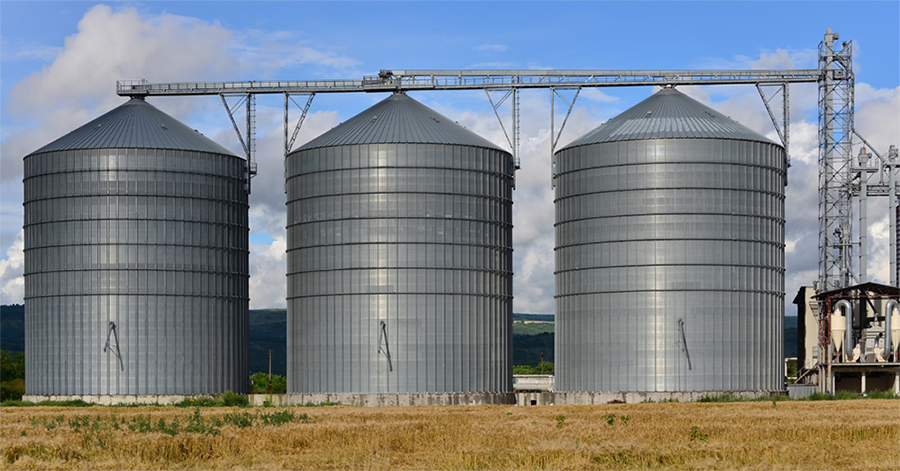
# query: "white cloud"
(492, 65)
(267, 274)
(12, 280)
(490, 48)
(878, 117)
(167, 47)
(14, 49)
(784, 59)
(595, 94)
(282, 50)
(79, 85)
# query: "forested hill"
(12, 328)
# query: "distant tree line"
(12, 375)
(545, 368)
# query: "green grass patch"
(226, 399)
(72, 403)
(194, 423)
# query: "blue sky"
(60, 61)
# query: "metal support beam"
(495, 107)
(248, 100)
(237, 130)
(513, 139)
(783, 130)
(289, 143)
(554, 137)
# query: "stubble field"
(858, 434)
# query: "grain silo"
(669, 255)
(399, 262)
(136, 261)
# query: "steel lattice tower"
(835, 157)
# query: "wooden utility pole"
(270, 372)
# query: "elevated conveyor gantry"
(834, 77)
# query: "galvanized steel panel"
(153, 240)
(670, 264)
(399, 248)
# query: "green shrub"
(226, 399)
(547, 368)
(230, 399)
(261, 384)
(280, 418)
(721, 397)
(12, 390)
(238, 419)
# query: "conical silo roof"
(135, 124)
(398, 119)
(668, 114)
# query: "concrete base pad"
(266, 399)
(368, 400)
(583, 398)
(534, 399)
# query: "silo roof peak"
(135, 124)
(668, 114)
(399, 119)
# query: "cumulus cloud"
(784, 59)
(267, 283)
(490, 48)
(492, 65)
(595, 94)
(282, 50)
(79, 85)
(14, 49)
(12, 281)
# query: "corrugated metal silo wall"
(155, 241)
(670, 266)
(399, 248)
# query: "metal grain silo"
(669, 254)
(399, 261)
(136, 260)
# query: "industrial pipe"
(863, 215)
(888, 314)
(848, 335)
(892, 215)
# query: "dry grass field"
(832, 435)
